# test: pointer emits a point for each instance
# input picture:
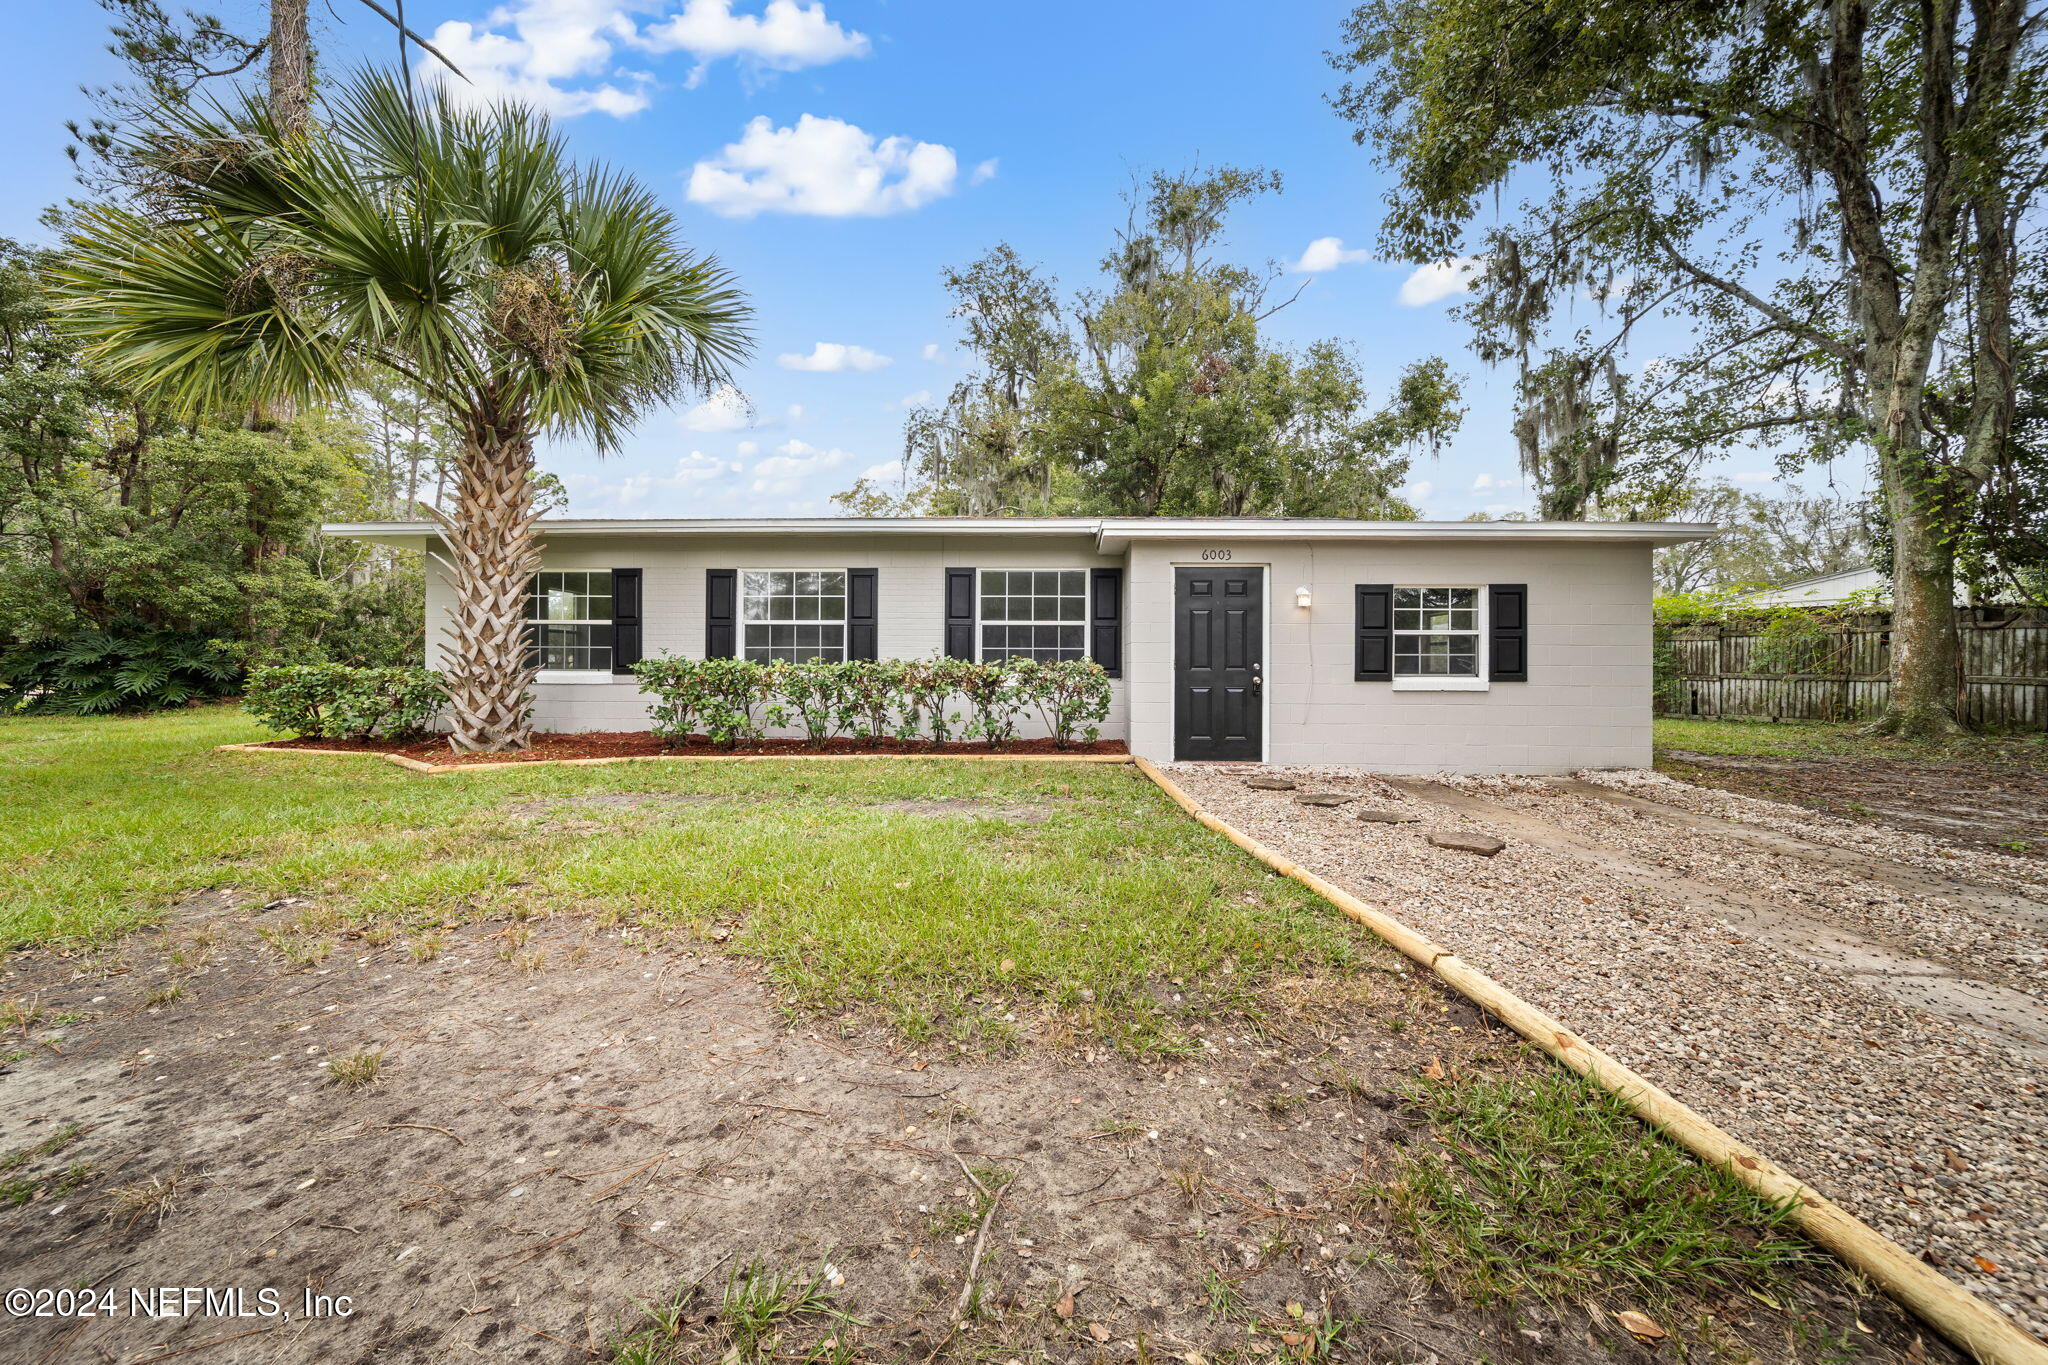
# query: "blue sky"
(836, 154)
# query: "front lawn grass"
(1078, 896)
(1546, 1186)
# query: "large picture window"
(1034, 614)
(792, 615)
(569, 619)
(1436, 632)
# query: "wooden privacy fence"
(1729, 668)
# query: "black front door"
(1218, 639)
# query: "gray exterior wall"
(1586, 704)
(910, 593)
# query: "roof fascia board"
(1112, 535)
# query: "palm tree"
(456, 248)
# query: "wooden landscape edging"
(420, 766)
(1948, 1307)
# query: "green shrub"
(677, 686)
(334, 701)
(1072, 697)
(875, 699)
(929, 686)
(97, 672)
(818, 695)
(733, 702)
(730, 700)
(994, 700)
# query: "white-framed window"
(792, 615)
(1438, 637)
(569, 620)
(1034, 614)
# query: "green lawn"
(1812, 738)
(1101, 914)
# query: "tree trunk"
(493, 555)
(291, 66)
(291, 104)
(1926, 647)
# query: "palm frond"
(455, 245)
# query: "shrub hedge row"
(732, 701)
(335, 701)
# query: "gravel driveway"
(1864, 1004)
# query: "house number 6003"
(1216, 554)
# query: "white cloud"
(932, 351)
(1439, 280)
(884, 473)
(556, 55)
(1756, 476)
(794, 449)
(782, 474)
(560, 55)
(1505, 483)
(984, 172)
(1417, 491)
(822, 166)
(1327, 253)
(725, 410)
(691, 471)
(748, 448)
(785, 36)
(911, 400)
(832, 357)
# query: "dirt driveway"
(1858, 1000)
(1981, 807)
(566, 1120)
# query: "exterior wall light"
(1301, 597)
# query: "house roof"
(1110, 534)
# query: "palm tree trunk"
(291, 66)
(493, 555)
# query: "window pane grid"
(793, 615)
(1436, 632)
(570, 616)
(1034, 614)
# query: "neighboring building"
(1832, 589)
(1399, 646)
(1826, 590)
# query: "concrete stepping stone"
(1269, 784)
(1374, 815)
(1485, 845)
(1323, 799)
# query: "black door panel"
(1219, 633)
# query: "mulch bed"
(644, 744)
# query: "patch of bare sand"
(543, 1146)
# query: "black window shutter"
(860, 613)
(1375, 624)
(721, 590)
(1507, 613)
(625, 619)
(1106, 620)
(960, 613)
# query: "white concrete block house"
(1401, 647)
